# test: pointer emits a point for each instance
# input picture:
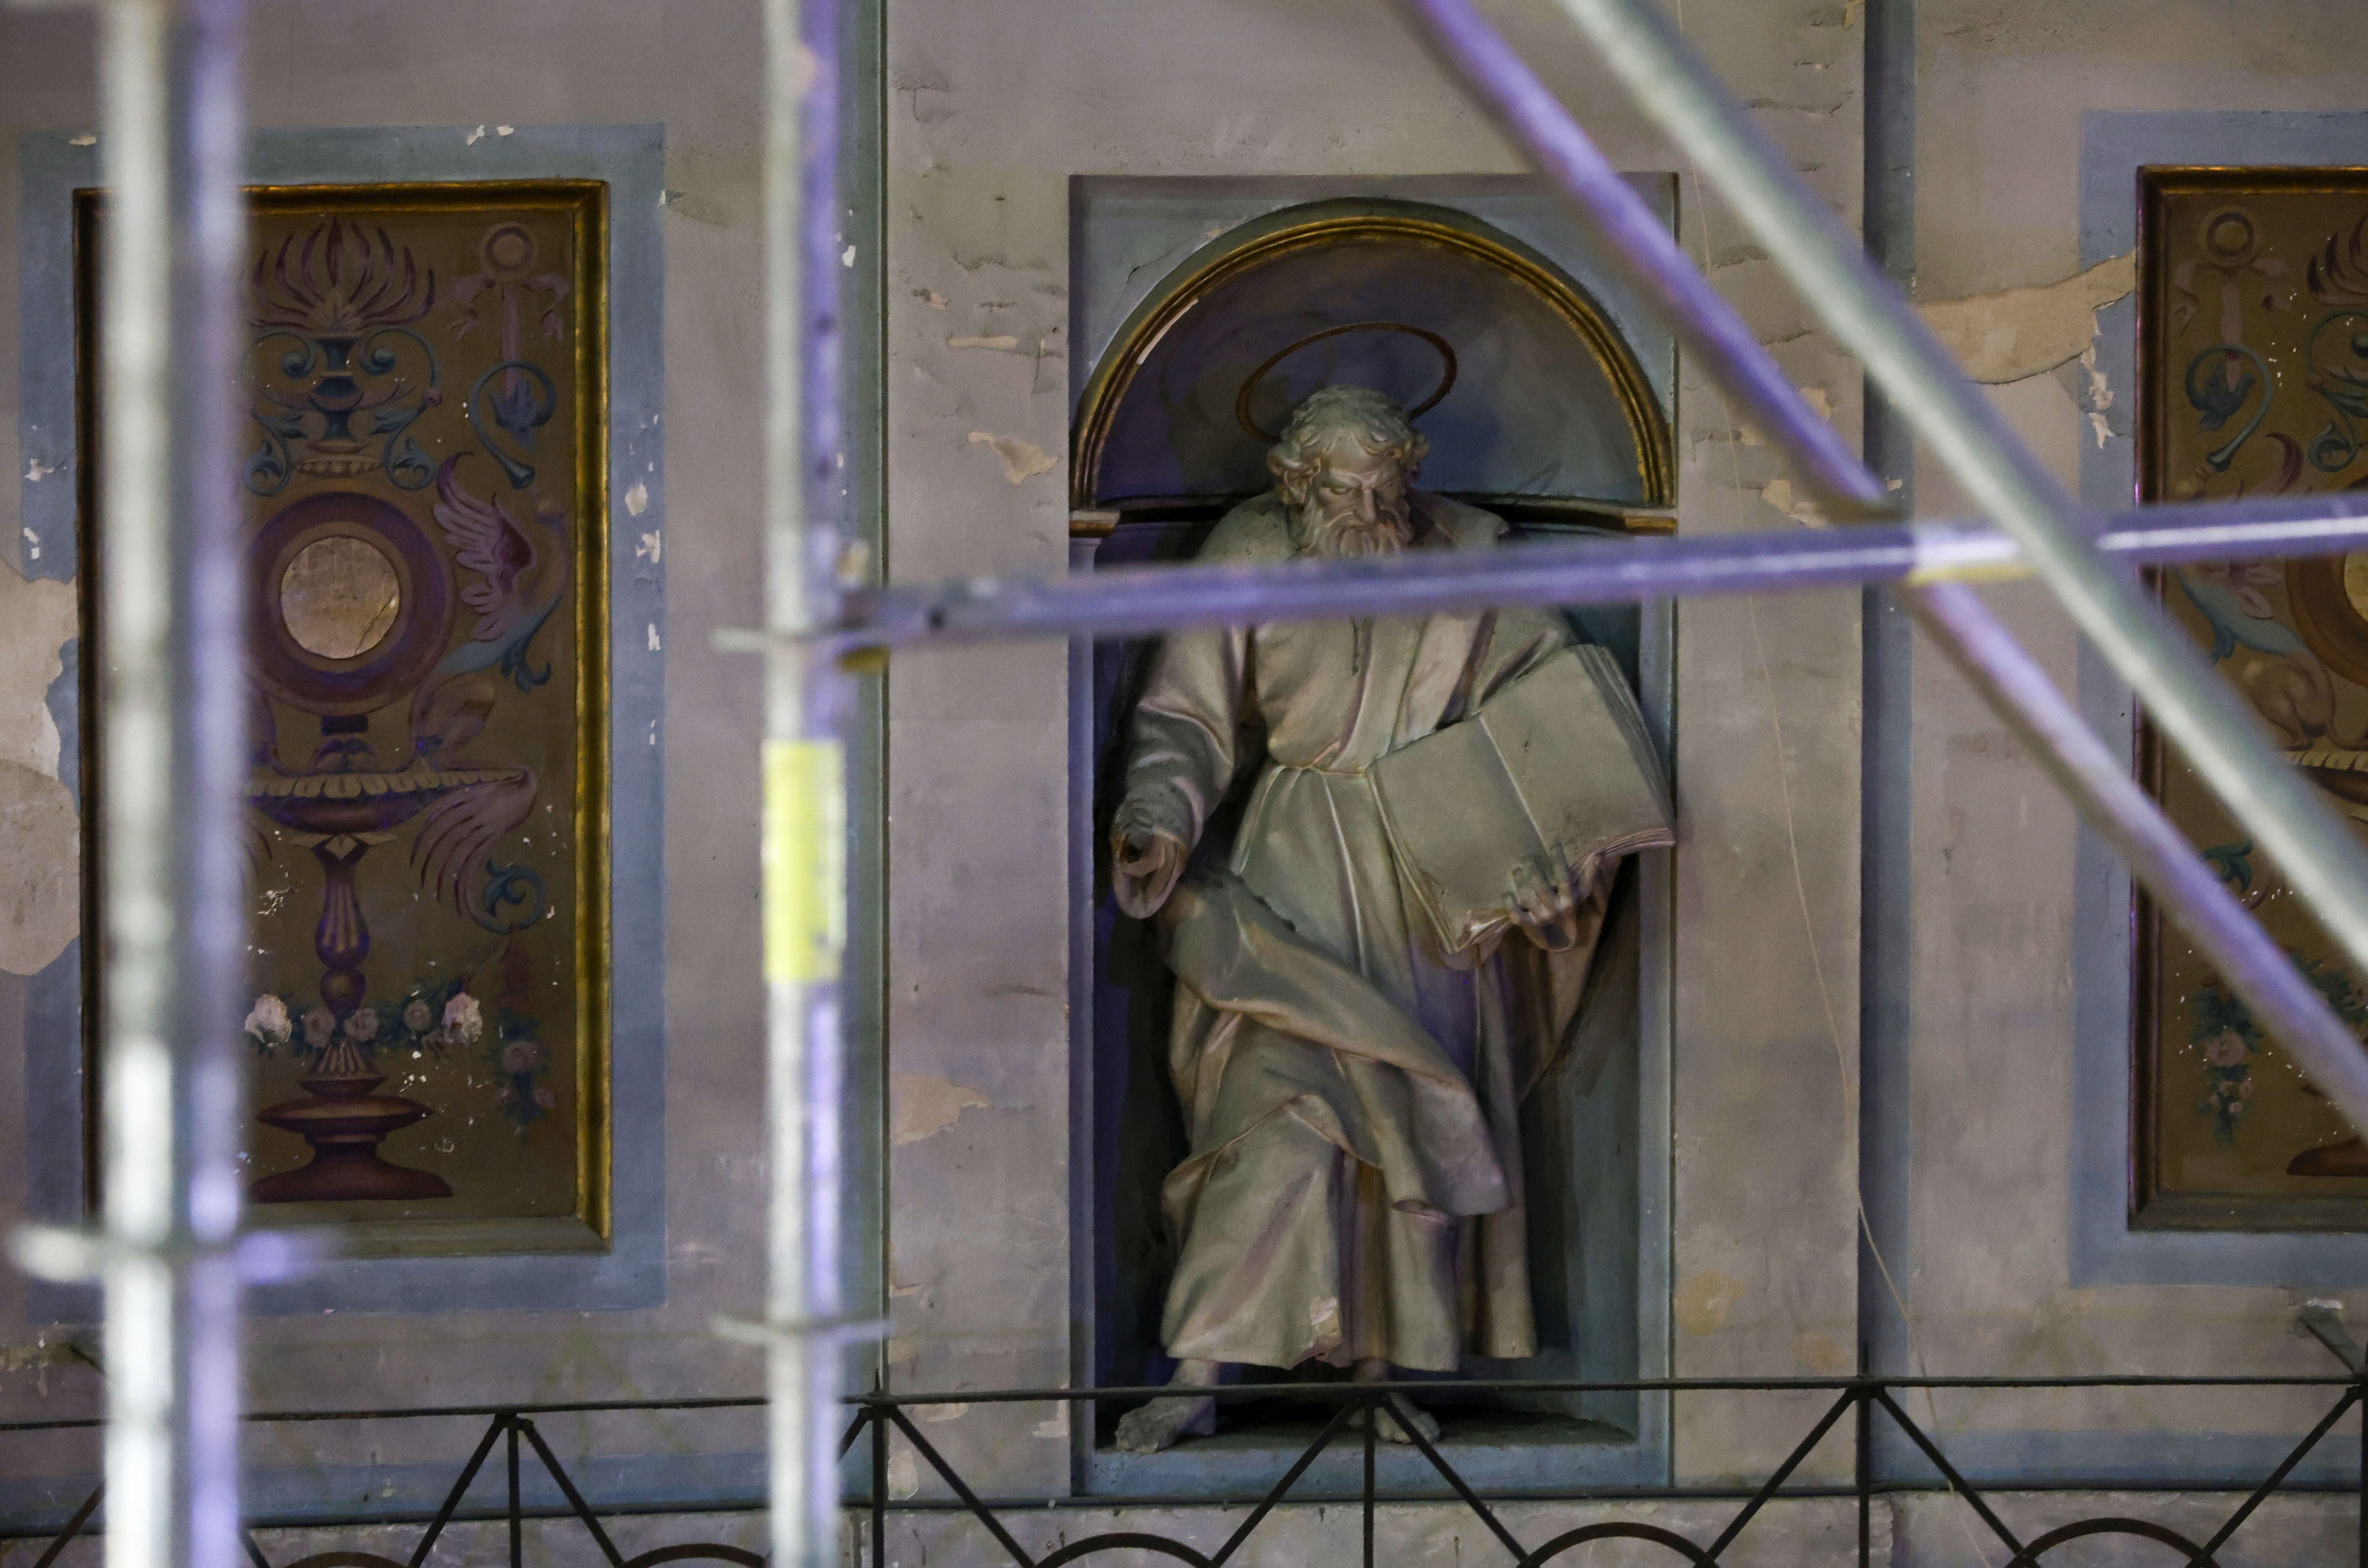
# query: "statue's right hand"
(1144, 867)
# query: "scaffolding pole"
(808, 703)
(2318, 851)
(172, 761)
(1138, 601)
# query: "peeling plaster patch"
(1055, 1425)
(472, 138)
(2091, 392)
(1777, 493)
(1820, 1354)
(1702, 1302)
(38, 471)
(930, 298)
(1816, 397)
(655, 645)
(935, 1414)
(903, 1474)
(37, 618)
(1021, 460)
(37, 1356)
(900, 1351)
(637, 499)
(847, 257)
(2014, 333)
(85, 140)
(1000, 340)
(32, 544)
(922, 1104)
(651, 547)
(40, 858)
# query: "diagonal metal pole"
(2021, 692)
(171, 762)
(806, 701)
(2317, 850)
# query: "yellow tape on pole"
(805, 859)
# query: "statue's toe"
(1160, 1424)
(1391, 1431)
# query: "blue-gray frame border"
(2104, 1249)
(632, 160)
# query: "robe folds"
(1353, 1187)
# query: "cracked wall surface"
(501, 64)
(993, 106)
(1989, 1265)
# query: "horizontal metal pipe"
(2318, 851)
(1146, 600)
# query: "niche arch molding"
(1562, 337)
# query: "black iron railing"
(1869, 1404)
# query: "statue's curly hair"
(1377, 424)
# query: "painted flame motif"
(339, 277)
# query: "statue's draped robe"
(1354, 1182)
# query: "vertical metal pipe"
(173, 754)
(517, 1512)
(806, 703)
(1862, 1467)
(2023, 698)
(1886, 790)
(2317, 852)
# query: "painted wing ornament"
(522, 572)
(457, 834)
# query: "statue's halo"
(1446, 379)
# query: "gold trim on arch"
(1226, 258)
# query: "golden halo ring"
(1446, 379)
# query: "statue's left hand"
(1544, 897)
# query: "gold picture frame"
(427, 529)
(2245, 389)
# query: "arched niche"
(1554, 421)
(1548, 403)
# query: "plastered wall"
(1996, 1275)
(994, 105)
(485, 68)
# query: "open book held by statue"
(1396, 947)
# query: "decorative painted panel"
(427, 514)
(2253, 378)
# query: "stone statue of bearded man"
(1353, 1190)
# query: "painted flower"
(463, 1019)
(361, 1025)
(319, 1025)
(417, 1016)
(545, 1099)
(268, 1021)
(522, 1056)
(2226, 1049)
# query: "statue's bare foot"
(1390, 1431)
(1165, 1421)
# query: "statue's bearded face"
(1354, 503)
